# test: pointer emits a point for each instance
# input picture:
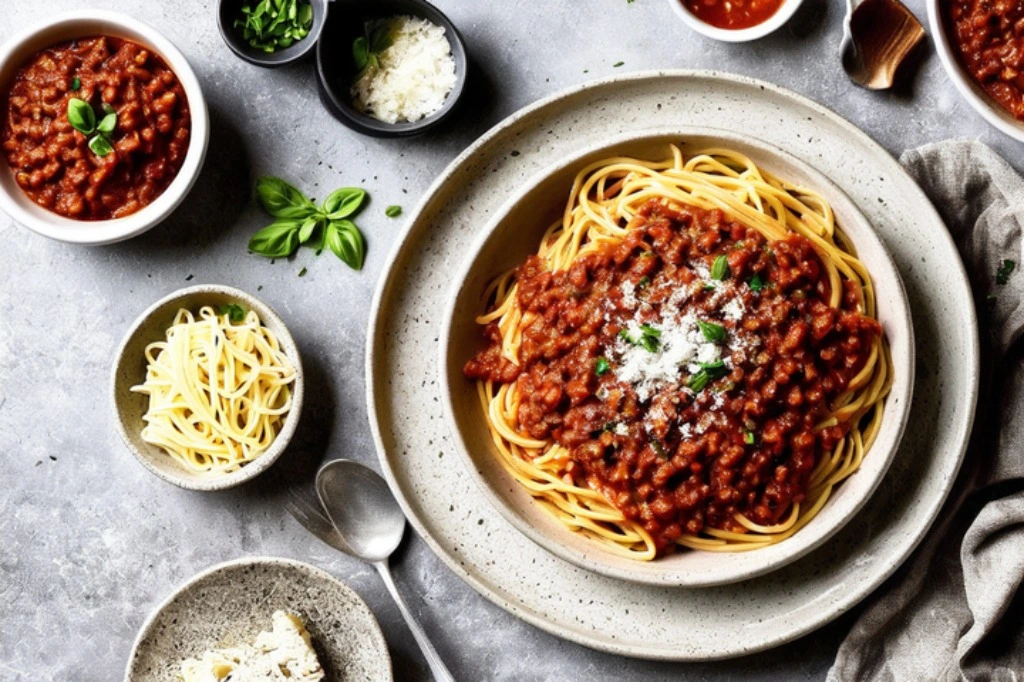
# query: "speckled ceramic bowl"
(231, 603)
(130, 370)
(515, 231)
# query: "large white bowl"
(515, 232)
(971, 91)
(740, 35)
(80, 24)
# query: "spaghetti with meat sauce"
(695, 374)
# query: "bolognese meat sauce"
(53, 163)
(689, 369)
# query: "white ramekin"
(79, 24)
(742, 35)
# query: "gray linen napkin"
(955, 609)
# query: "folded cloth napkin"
(955, 609)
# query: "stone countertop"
(90, 542)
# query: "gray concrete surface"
(90, 542)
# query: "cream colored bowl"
(130, 370)
(80, 24)
(515, 232)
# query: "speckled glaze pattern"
(130, 370)
(514, 232)
(644, 621)
(231, 603)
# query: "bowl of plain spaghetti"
(207, 387)
(681, 358)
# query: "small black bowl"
(336, 68)
(230, 10)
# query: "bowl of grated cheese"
(390, 68)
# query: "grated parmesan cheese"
(416, 74)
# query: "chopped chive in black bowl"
(241, 29)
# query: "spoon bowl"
(878, 36)
(362, 509)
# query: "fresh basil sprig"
(300, 221)
(83, 119)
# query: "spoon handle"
(437, 667)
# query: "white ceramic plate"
(232, 602)
(455, 519)
(514, 232)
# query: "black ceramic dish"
(230, 10)
(336, 68)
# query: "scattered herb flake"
(235, 313)
(601, 366)
(302, 272)
(748, 437)
(76, 83)
(712, 332)
(756, 283)
(720, 268)
(1005, 270)
(393, 211)
(617, 64)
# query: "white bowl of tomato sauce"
(982, 49)
(735, 21)
(104, 127)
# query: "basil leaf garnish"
(344, 202)
(100, 145)
(107, 124)
(346, 241)
(81, 116)
(276, 240)
(712, 332)
(720, 268)
(282, 200)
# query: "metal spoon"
(877, 36)
(371, 525)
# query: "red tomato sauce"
(52, 162)
(733, 14)
(989, 37)
(674, 455)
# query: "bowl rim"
(969, 90)
(94, 232)
(343, 110)
(288, 55)
(281, 441)
(595, 559)
(242, 562)
(740, 35)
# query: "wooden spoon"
(877, 36)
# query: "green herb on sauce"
(83, 119)
(712, 332)
(644, 282)
(300, 221)
(272, 25)
(748, 437)
(234, 312)
(1005, 270)
(720, 268)
(756, 283)
(659, 449)
(393, 211)
(76, 83)
(649, 338)
(601, 366)
(708, 372)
